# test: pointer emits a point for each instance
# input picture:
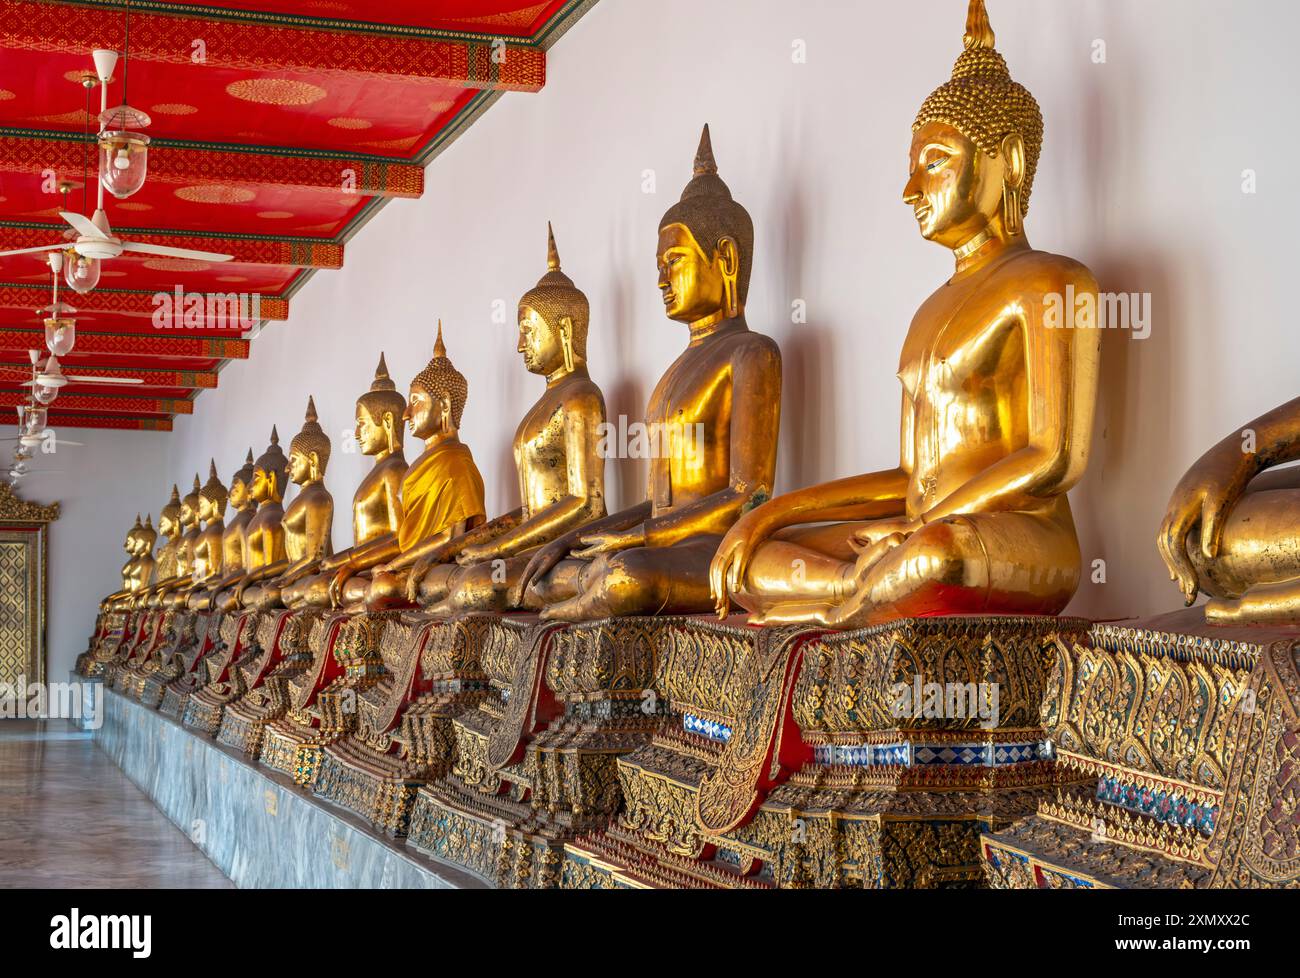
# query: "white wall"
(1140, 179)
(99, 485)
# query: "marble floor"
(70, 818)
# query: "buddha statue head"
(437, 397)
(706, 245)
(553, 319)
(132, 543)
(270, 472)
(975, 148)
(379, 414)
(212, 497)
(190, 506)
(147, 536)
(309, 452)
(169, 517)
(241, 484)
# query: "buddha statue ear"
(444, 410)
(566, 341)
(727, 254)
(1013, 155)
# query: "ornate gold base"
(401, 734)
(1184, 745)
(205, 707)
(817, 771)
(283, 641)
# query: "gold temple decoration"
(442, 492)
(377, 503)
(997, 406)
(306, 523)
(715, 411)
(24, 546)
(556, 449)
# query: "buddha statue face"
(374, 435)
(189, 515)
(166, 525)
(956, 189)
(696, 284)
(427, 415)
(238, 493)
(264, 485)
(303, 466)
(208, 511)
(541, 343)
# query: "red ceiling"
(299, 120)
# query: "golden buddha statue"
(168, 591)
(206, 565)
(263, 534)
(561, 472)
(233, 539)
(142, 567)
(442, 493)
(997, 405)
(132, 547)
(306, 523)
(1232, 528)
(377, 503)
(712, 418)
(169, 527)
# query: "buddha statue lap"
(714, 416)
(997, 405)
(1232, 527)
(556, 450)
(377, 503)
(441, 498)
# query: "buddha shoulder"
(751, 347)
(1041, 272)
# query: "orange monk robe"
(442, 488)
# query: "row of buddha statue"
(997, 416)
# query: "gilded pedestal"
(341, 652)
(1182, 740)
(283, 653)
(535, 763)
(402, 733)
(221, 681)
(801, 758)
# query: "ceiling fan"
(95, 239)
(49, 375)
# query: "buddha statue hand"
(422, 566)
(345, 572)
(1203, 498)
(608, 541)
(541, 564)
(730, 564)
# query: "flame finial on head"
(555, 296)
(440, 378)
(384, 398)
(214, 490)
(984, 104)
(312, 439)
(710, 213)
